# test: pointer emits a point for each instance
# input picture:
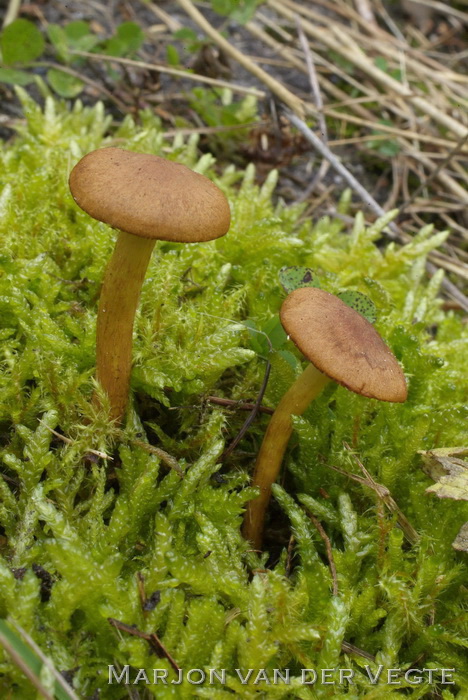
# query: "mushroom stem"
(116, 312)
(294, 402)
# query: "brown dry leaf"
(448, 471)
(451, 476)
(455, 482)
(445, 452)
(461, 540)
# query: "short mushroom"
(341, 345)
(147, 198)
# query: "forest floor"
(384, 85)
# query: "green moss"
(96, 525)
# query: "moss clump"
(97, 526)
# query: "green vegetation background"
(94, 525)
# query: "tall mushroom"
(147, 198)
(342, 346)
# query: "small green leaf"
(257, 341)
(58, 39)
(294, 277)
(77, 30)
(290, 359)
(271, 331)
(131, 33)
(76, 35)
(381, 63)
(172, 55)
(360, 303)
(245, 11)
(255, 336)
(189, 38)
(387, 146)
(79, 36)
(185, 34)
(275, 331)
(222, 7)
(114, 47)
(21, 42)
(15, 77)
(64, 84)
(239, 10)
(128, 39)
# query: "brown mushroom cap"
(149, 196)
(342, 344)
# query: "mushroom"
(342, 346)
(147, 198)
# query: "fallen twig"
(314, 84)
(12, 12)
(164, 456)
(69, 441)
(352, 649)
(152, 638)
(232, 403)
(171, 23)
(250, 419)
(338, 166)
(170, 71)
(365, 10)
(317, 97)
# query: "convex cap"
(342, 344)
(149, 196)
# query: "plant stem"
(295, 401)
(119, 298)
